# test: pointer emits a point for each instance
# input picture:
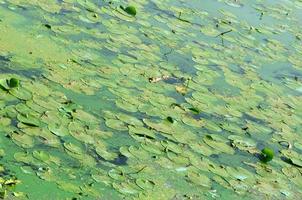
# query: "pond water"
(177, 101)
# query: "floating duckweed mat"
(150, 100)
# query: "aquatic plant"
(131, 10)
(13, 83)
(121, 103)
(267, 154)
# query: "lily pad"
(131, 10)
(218, 143)
(199, 179)
(144, 184)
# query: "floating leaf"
(29, 120)
(21, 93)
(144, 184)
(169, 146)
(199, 179)
(103, 152)
(116, 124)
(126, 188)
(73, 148)
(41, 155)
(116, 174)
(13, 83)
(23, 140)
(218, 143)
(267, 154)
(181, 90)
(131, 10)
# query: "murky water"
(175, 102)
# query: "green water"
(173, 103)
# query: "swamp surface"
(174, 101)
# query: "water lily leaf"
(141, 132)
(193, 122)
(126, 188)
(298, 145)
(144, 184)
(124, 150)
(68, 186)
(153, 147)
(202, 148)
(217, 169)
(29, 120)
(131, 10)
(103, 152)
(178, 159)
(129, 120)
(139, 153)
(242, 143)
(23, 157)
(27, 170)
(116, 174)
(297, 161)
(49, 103)
(199, 179)
(23, 140)
(89, 190)
(217, 143)
(162, 127)
(4, 84)
(10, 111)
(59, 130)
(47, 175)
(291, 171)
(182, 136)
(85, 117)
(125, 105)
(239, 173)
(116, 124)
(11, 182)
(23, 109)
(4, 121)
(101, 177)
(13, 82)
(221, 182)
(21, 93)
(51, 117)
(212, 126)
(78, 131)
(267, 154)
(169, 146)
(41, 155)
(99, 133)
(73, 148)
